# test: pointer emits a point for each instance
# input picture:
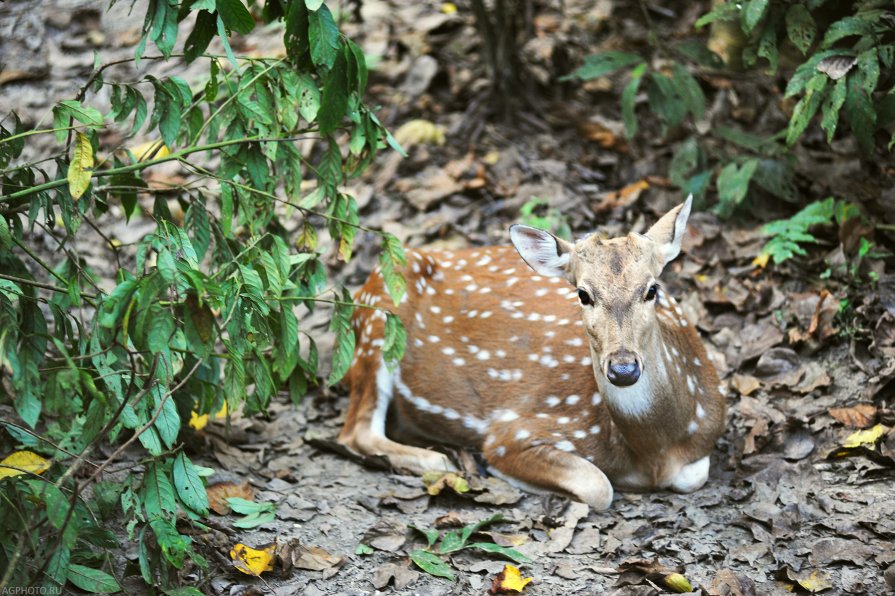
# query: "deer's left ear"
(545, 253)
(668, 232)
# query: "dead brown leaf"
(857, 416)
(219, 492)
(728, 583)
(402, 575)
(621, 198)
(744, 384)
(387, 534)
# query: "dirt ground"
(785, 508)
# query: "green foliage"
(452, 541)
(538, 213)
(787, 235)
(839, 79)
(203, 311)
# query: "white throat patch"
(631, 402)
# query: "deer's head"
(617, 283)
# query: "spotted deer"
(572, 390)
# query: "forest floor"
(786, 507)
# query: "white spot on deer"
(517, 315)
(675, 352)
(438, 276)
(573, 399)
(692, 427)
(417, 342)
(554, 280)
(471, 422)
(448, 320)
(472, 348)
(435, 310)
(594, 430)
(449, 291)
(552, 401)
(492, 372)
(541, 292)
(472, 314)
(569, 358)
(459, 362)
(506, 415)
(684, 322)
(533, 317)
(471, 288)
(579, 434)
(447, 263)
(565, 377)
(542, 415)
(549, 318)
(451, 414)
(486, 314)
(575, 342)
(538, 277)
(512, 281)
(493, 268)
(485, 291)
(483, 261)
(522, 434)
(501, 451)
(595, 399)
(549, 361)
(586, 361)
(434, 339)
(565, 322)
(565, 446)
(534, 357)
(430, 291)
(377, 342)
(500, 353)
(697, 362)
(489, 440)
(483, 355)
(416, 267)
(563, 420)
(509, 271)
(547, 349)
(691, 385)
(700, 411)
(448, 351)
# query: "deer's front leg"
(547, 466)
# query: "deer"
(571, 371)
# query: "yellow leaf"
(816, 582)
(761, 261)
(678, 583)
(491, 158)
(155, 149)
(23, 462)
(81, 166)
(252, 561)
(437, 481)
(449, 8)
(199, 422)
(419, 132)
(510, 579)
(867, 438)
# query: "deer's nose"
(623, 369)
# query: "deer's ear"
(668, 232)
(545, 253)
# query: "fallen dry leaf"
(219, 492)
(252, 561)
(509, 580)
(857, 416)
(419, 132)
(865, 438)
(621, 198)
(435, 482)
(23, 462)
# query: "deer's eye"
(584, 297)
(651, 293)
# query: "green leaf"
(431, 534)
(92, 580)
(830, 109)
(431, 564)
(255, 519)
(602, 64)
(509, 553)
(689, 90)
(807, 107)
(323, 35)
(733, 184)
(776, 177)
(174, 546)
(189, 485)
(363, 549)
(201, 35)
(157, 491)
(168, 422)
(846, 27)
(800, 27)
(753, 12)
(81, 113)
(161, 328)
(343, 350)
(81, 167)
(629, 96)
(334, 101)
(308, 98)
(235, 16)
(860, 112)
(394, 342)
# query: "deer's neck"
(656, 411)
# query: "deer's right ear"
(545, 253)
